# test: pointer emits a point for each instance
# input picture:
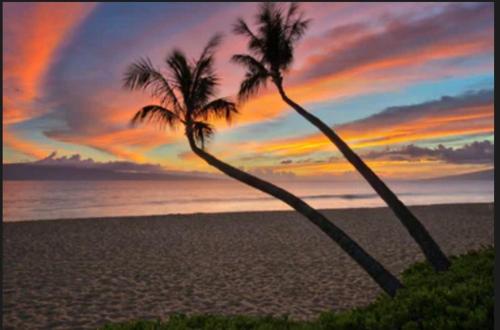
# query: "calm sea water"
(39, 200)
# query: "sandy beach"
(79, 274)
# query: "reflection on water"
(36, 200)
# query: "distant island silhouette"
(35, 171)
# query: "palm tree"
(185, 97)
(271, 55)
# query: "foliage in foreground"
(460, 298)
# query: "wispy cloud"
(63, 65)
(355, 58)
(470, 113)
(460, 30)
(29, 148)
(125, 143)
(33, 34)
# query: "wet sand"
(72, 274)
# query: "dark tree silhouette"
(185, 97)
(271, 55)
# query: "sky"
(409, 86)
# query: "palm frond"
(204, 65)
(205, 90)
(250, 86)
(204, 78)
(202, 74)
(211, 46)
(202, 132)
(193, 84)
(143, 75)
(250, 63)
(220, 108)
(277, 32)
(157, 114)
(181, 72)
(267, 11)
(138, 74)
(292, 10)
(255, 44)
(241, 28)
(296, 30)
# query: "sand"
(72, 274)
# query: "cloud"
(356, 58)
(466, 114)
(77, 160)
(87, 83)
(26, 147)
(478, 152)
(404, 163)
(350, 51)
(272, 174)
(458, 30)
(448, 109)
(33, 34)
(117, 139)
(75, 167)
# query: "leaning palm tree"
(186, 98)
(271, 55)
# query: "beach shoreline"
(83, 273)
(230, 213)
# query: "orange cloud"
(401, 54)
(33, 32)
(127, 144)
(28, 148)
(387, 169)
(41, 29)
(418, 130)
(367, 78)
(466, 114)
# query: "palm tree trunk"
(388, 282)
(430, 248)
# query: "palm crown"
(185, 94)
(271, 47)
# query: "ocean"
(42, 200)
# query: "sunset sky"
(409, 86)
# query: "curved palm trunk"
(388, 282)
(430, 248)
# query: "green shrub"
(460, 298)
